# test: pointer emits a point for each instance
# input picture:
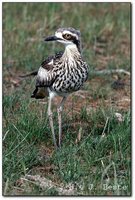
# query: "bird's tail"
(40, 93)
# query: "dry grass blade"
(109, 72)
(103, 133)
(79, 136)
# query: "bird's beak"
(52, 38)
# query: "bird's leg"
(51, 121)
(59, 110)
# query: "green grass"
(102, 156)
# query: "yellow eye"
(67, 36)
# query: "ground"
(95, 157)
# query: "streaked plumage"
(65, 72)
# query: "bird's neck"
(71, 51)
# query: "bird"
(61, 74)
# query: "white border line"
(133, 95)
(1, 95)
(92, 1)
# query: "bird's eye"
(67, 36)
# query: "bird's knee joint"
(50, 115)
(59, 110)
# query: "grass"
(96, 147)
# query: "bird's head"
(66, 36)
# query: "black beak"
(52, 38)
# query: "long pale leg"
(51, 121)
(59, 110)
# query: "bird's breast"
(70, 77)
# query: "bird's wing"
(34, 73)
(48, 63)
(47, 73)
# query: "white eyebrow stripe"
(58, 34)
(68, 32)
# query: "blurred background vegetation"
(96, 140)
